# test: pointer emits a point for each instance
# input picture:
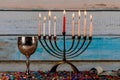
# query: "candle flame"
(91, 17)
(85, 13)
(39, 15)
(44, 18)
(64, 12)
(79, 13)
(55, 18)
(49, 14)
(73, 15)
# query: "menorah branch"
(47, 49)
(73, 41)
(53, 51)
(53, 46)
(72, 56)
(75, 47)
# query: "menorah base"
(54, 68)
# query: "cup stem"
(28, 68)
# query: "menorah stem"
(64, 42)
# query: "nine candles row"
(64, 24)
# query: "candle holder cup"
(27, 46)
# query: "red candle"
(64, 22)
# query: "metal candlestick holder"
(78, 45)
(74, 51)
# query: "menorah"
(50, 44)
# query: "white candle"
(73, 28)
(39, 25)
(49, 15)
(79, 23)
(85, 14)
(91, 26)
(55, 25)
(44, 25)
